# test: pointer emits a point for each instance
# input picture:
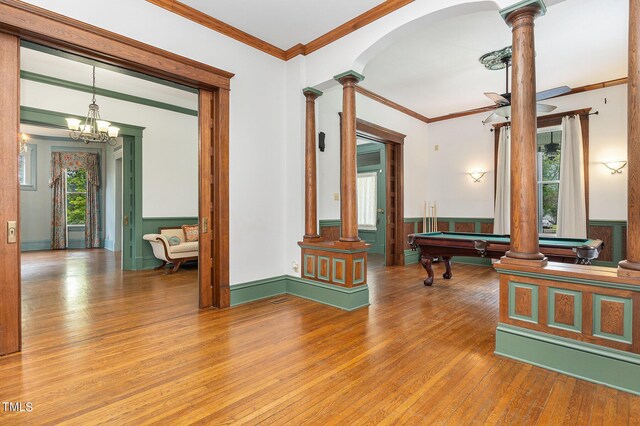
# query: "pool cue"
(424, 218)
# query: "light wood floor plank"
(113, 347)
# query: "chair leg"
(164, 262)
(176, 266)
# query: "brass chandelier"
(94, 129)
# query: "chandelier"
(94, 129)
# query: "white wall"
(35, 206)
(465, 144)
(169, 147)
(257, 123)
(415, 151)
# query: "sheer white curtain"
(367, 200)
(502, 213)
(572, 211)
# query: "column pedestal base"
(335, 262)
(628, 270)
(539, 263)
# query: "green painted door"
(128, 202)
(371, 162)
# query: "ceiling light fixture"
(551, 149)
(94, 129)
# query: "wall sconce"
(23, 143)
(615, 166)
(476, 176)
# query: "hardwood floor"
(103, 345)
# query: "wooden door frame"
(394, 143)
(21, 21)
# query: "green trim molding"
(352, 73)
(348, 299)
(53, 81)
(523, 3)
(609, 367)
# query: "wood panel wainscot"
(326, 263)
(585, 303)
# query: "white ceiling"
(66, 69)
(435, 71)
(284, 23)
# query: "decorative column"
(334, 272)
(310, 187)
(348, 159)
(524, 211)
(631, 266)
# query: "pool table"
(444, 245)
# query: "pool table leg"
(426, 261)
(447, 264)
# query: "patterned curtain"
(61, 162)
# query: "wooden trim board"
(337, 33)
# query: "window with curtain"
(76, 195)
(548, 159)
(367, 201)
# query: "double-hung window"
(548, 163)
(76, 188)
(367, 201)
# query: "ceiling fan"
(500, 59)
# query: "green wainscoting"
(150, 225)
(610, 367)
(348, 299)
(612, 232)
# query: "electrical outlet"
(336, 196)
(436, 148)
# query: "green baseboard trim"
(348, 299)
(411, 257)
(466, 260)
(256, 290)
(597, 364)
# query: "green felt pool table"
(444, 245)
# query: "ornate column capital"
(525, 7)
(349, 76)
(310, 93)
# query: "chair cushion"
(185, 247)
(190, 232)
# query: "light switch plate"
(12, 232)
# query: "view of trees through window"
(548, 180)
(76, 196)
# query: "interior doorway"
(391, 213)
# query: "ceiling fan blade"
(498, 99)
(545, 107)
(489, 119)
(552, 93)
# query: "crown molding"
(337, 33)
(217, 25)
(376, 97)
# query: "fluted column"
(348, 160)
(524, 210)
(310, 187)
(631, 266)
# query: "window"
(367, 201)
(548, 179)
(27, 168)
(76, 186)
